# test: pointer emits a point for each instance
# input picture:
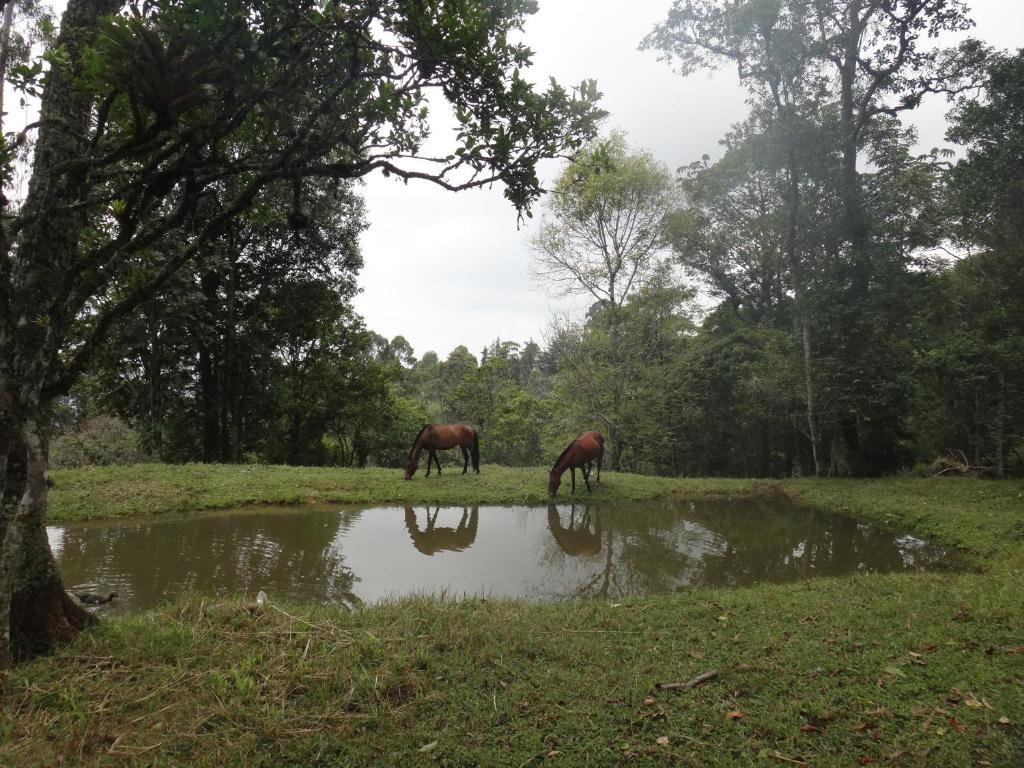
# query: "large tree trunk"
(799, 279)
(35, 612)
(39, 612)
(854, 221)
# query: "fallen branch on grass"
(699, 680)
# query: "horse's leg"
(586, 476)
(437, 461)
(600, 455)
(573, 470)
(465, 459)
(430, 456)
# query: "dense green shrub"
(102, 440)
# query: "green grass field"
(904, 670)
(150, 489)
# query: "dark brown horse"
(582, 452)
(442, 437)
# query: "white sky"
(445, 269)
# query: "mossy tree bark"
(35, 611)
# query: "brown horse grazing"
(582, 452)
(441, 437)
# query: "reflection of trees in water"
(775, 542)
(661, 547)
(287, 554)
(433, 538)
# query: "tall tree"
(604, 235)
(978, 358)
(876, 57)
(825, 76)
(602, 231)
(180, 112)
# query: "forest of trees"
(852, 330)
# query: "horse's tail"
(476, 451)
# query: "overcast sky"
(445, 269)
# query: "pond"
(354, 556)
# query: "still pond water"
(354, 556)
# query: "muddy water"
(353, 556)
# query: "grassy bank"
(149, 489)
(869, 670)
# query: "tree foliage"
(602, 231)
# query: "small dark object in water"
(90, 598)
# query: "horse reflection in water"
(433, 538)
(580, 538)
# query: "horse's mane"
(562, 455)
(413, 448)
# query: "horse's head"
(411, 465)
(554, 480)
